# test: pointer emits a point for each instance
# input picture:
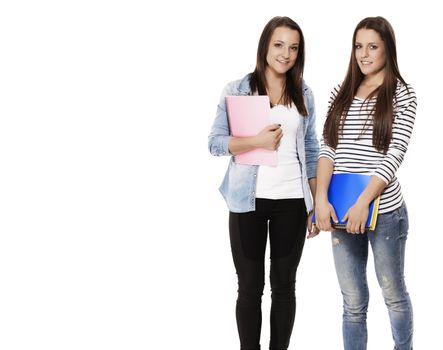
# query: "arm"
(324, 211)
(311, 140)
(269, 138)
(220, 141)
(311, 154)
(312, 229)
(401, 134)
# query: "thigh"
(287, 227)
(248, 233)
(350, 257)
(388, 244)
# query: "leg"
(248, 234)
(287, 232)
(350, 258)
(388, 245)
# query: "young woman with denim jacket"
(367, 130)
(279, 197)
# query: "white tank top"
(284, 180)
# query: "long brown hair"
(383, 113)
(294, 77)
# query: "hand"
(312, 229)
(269, 138)
(324, 212)
(356, 217)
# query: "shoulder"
(403, 89)
(334, 92)
(306, 90)
(307, 93)
(404, 93)
(238, 87)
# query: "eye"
(373, 47)
(277, 45)
(294, 48)
(357, 46)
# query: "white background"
(112, 232)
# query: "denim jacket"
(239, 184)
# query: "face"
(370, 52)
(282, 50)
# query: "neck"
(274, 81)
(374, 80)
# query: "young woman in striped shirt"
(367, 130)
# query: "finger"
(274, 127)
(349, 228)
(346, 217)
(312, 234)
(334, 216)
(310, 225)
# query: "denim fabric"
(239, 183)
(350, 255)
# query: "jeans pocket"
(394, 224)
(403, 221)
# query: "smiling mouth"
(365, 63)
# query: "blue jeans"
(351, 255)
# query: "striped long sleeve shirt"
(356, 154)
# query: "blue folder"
(343, 192)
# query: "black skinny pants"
(248, 234)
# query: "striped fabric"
(356, 154)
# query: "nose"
(286, 52)
(364, 52)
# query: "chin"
(366, 71)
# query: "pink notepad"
(247, 116)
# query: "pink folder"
(247, 116)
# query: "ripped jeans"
(350, 257)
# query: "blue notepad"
(343, 192)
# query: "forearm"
(325, 168)
(313, 186)
(239, 145)
(374, 188)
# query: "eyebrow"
(370, 43)
(280, 41)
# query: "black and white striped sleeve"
(405, 109)
(325, 150)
